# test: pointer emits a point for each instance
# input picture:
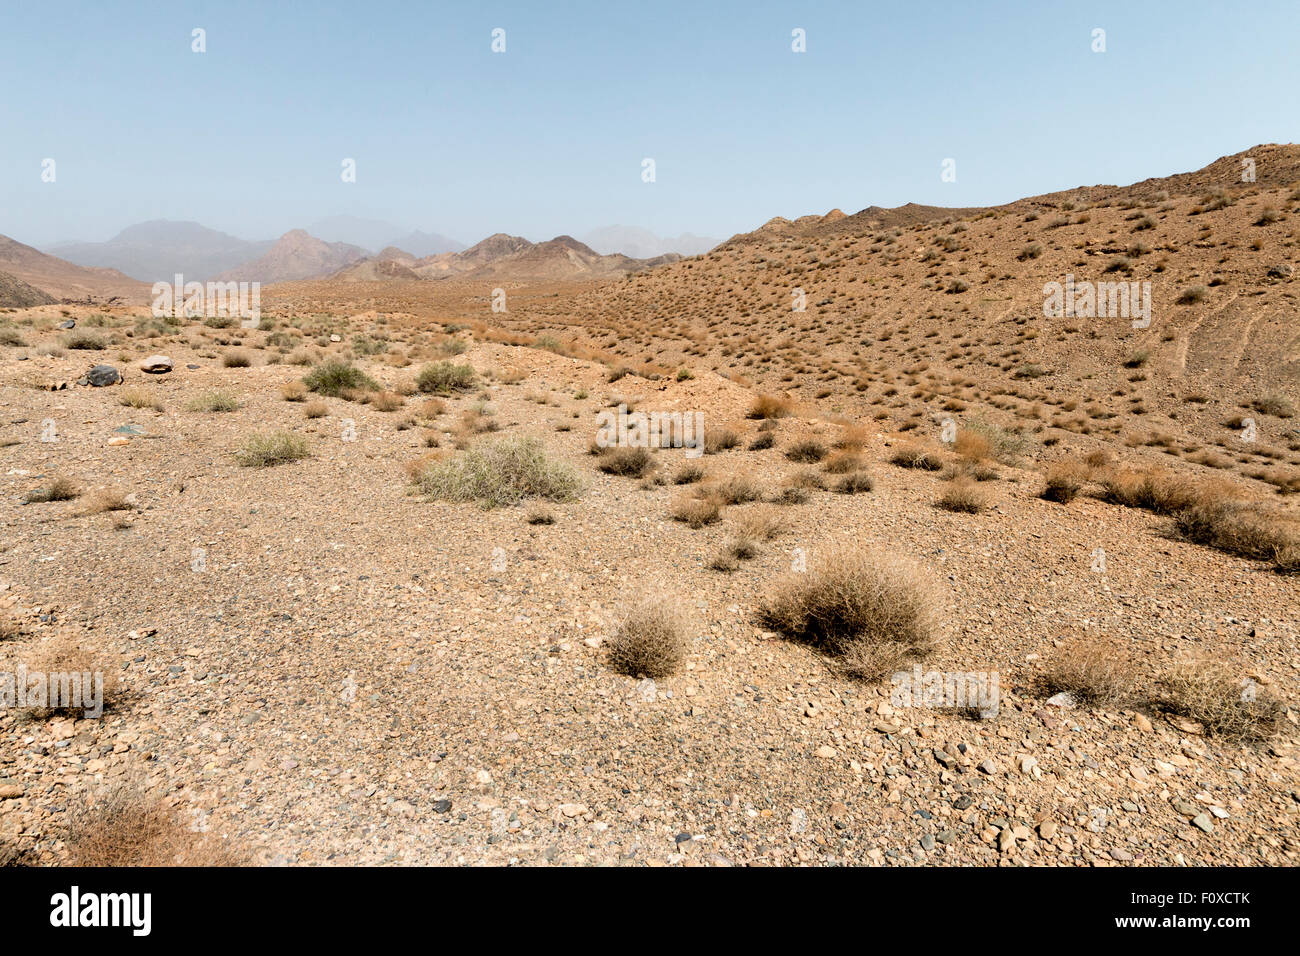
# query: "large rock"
(1281, 271)
(156, 364)
(101, 375)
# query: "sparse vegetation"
(263, 450)
(500, 473)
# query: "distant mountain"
(155, 251)
(295, 255)
(643, 244)
(421, 244)
(373, 234)
(17, 294)
(66, 280)
(502, 258)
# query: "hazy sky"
(549, 136)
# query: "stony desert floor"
(320, 666)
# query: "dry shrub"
(139, 398)
(1063, 483)
(762, 523)
(688, 474)
(238, 358)
(962, 496)
(264, 450)
(854, 483)
(64, 654)
(719, 439)
(696, 512)
(853, 438)
(1155, 490)
(539, 513)
(107, 499)
(627, 462)
(316, 409)
(842, 462)
(1093, 668)
(1209, 692)
(762, 442)
(872, 612)
(293, 391)
(387, 402)
(917, 456)
(432, 408)
(972, 445)
(503, 472)
(126, 827)
(60, 489)
(1243, 529)
(736, 490)
(770, 406)
(806, 451)
(650, 642)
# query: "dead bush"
(871, 612)
(651, 641)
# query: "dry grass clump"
(1243, 529)
(387, 402)
(1004, 446)
(627, 462)
(770, 406)
(854, 483)
(60, 489)
(84, 341)
(762, 441)
(265, 449)
(1154, 489)
(972, 445)
(139, 398)
(842, 463)
(1277, 405)
(539, 513)
(502, 472)
(807, 451)
(293, 391)
(688, 474)
(736, 490)
(127, 828)
(1063, 483)
(432, 408)
(237, 358)
(316, 409)
(443, 378)
(650, 642)
(696, 512)
(337, 378)
(762, 523)
(962, 496)
(215, 401)
(84, 674)
(872, 612)
(917, 456)
(719, 439)
(1210, 693)
(1094, 669)
(107, 499)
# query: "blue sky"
(549, 136)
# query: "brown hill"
(501, 257)
(63, 280)
(296, 255)
(17, 294)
